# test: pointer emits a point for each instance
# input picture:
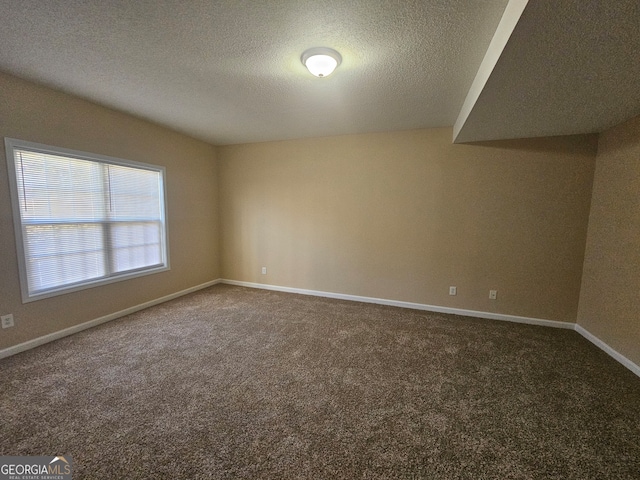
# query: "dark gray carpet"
(232, 382)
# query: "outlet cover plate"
(7, 321)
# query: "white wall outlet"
(493, 294)
(453, 290)
(264, 270)
(7, 321)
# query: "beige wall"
(404, 215)
(38, 114)
(610, 296)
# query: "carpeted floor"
(232, 382)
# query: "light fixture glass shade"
(321, 62)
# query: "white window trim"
(10, 144)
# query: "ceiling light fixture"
(321, 61)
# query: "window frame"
(10, 145)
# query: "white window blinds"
(85, 219)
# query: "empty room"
(293, 239)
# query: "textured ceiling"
(569, 66)
(229, 71)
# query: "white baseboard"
(21, 347)
(603, 346)
(456, 311)
(318, 293)
(415, 306)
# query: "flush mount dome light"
(321, 61)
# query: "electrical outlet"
(7, 321)
(264, 270)
(453, 290)
(493, 294)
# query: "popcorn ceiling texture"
(230, 72)
(569, 67)
(231, 382)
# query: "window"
(83, 220)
